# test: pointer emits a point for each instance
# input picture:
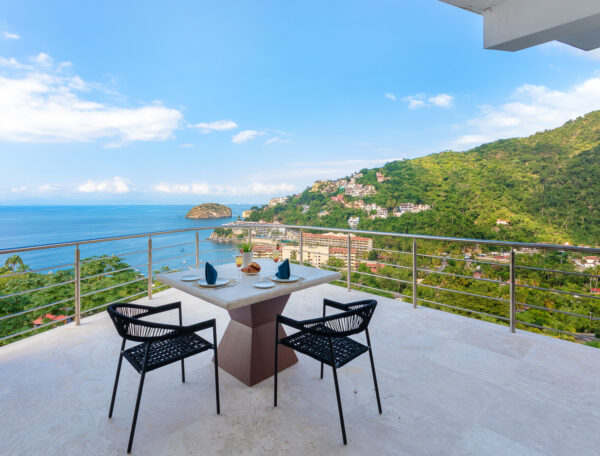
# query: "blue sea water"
(23, 226)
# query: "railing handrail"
(509, 244)
(346, 236)
(104, 239)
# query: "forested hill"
(546, 187)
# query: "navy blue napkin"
(210, 273)
(283, 272)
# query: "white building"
(278, 200)
(353, 222)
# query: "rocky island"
(209, 211)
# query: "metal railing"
(415, 289)
(151, 254)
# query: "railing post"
(513, 301)
(301, 248)
(349, 256)
(77, 286)
(249, 235)
(197, 250)
(149, 267)
(414, 273)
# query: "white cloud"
(414, 101)
(42, 59)
(202, 188)
(13, 63)
(390, 96)
(217, 125)
(534, 108)
(443, 100)
(11, 36)
(277, 139)
(246, 135)
(420, 100)
(186, 146)
(115, 185)
(47, 188)
(43, 105)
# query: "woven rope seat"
(165, 352)
(345, 348)
(161, 344)
(326, 340)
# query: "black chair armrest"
(164, 308)
(199, 326)
(163, 331)
(139, 310)
(339, 324)
(348, 306)
(334, 304)
(290, 322)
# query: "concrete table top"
(244, 293)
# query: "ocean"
(23, 226)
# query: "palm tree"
(15, 263)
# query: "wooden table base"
(247, 348)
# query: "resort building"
(361, 244)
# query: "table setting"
(252, 301)
(281, 275)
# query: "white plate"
(293, 278)
(251, 273)
(191, 278)
(264, 285)
(218, 283)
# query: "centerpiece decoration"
(246, 251)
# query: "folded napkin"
(210, 273)
(283, 272)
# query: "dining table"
(247, 348)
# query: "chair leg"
(374, 375)
(275, 370)
(137, 402)
(339, 402)
(182, 362)
(337, 390)
(324, 313)
(114, 394)
(216, 369)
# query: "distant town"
(346, 190)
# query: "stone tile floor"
(449, 385)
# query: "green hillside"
(546, 186)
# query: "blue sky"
(185, 102)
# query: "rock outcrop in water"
(209, 211)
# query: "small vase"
(246, 258)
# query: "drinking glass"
(238, 263)
(275, 259)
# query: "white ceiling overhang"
(512, 25)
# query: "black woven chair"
(326, 340)
(162, 344)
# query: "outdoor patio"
(449, 386)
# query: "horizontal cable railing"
(481, 279)
(172, 246)
(33, 290)
(409, 269)
(29, 271)
(116, 271)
